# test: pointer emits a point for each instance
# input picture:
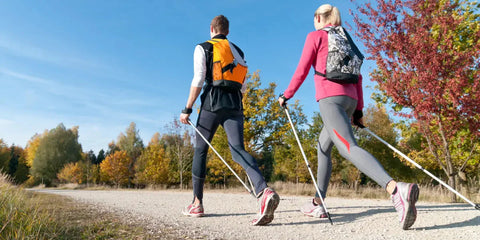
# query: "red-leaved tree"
(427, 55)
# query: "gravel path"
(228, 216)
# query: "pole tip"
(329, 218)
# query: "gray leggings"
(336, 113)
(232, 123)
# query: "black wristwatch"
(187, 110)
(284, 99)
(283, 96)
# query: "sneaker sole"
(194, 215)
(272, 205)
(314, 215)
(324, 215)
(411, 215)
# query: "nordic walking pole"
(251, 184)
(477, 206)
(223, 160)
(308, 165)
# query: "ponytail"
(330, 13)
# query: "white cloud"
(29, 78)
(4, 122)
(21, 49)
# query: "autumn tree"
(13, 163)
(178, 146)
(265, 120)
(463, 148)
(289, 163)
(153, 166)
(32, 146)
(59, 147)
(71, 173)
(427, 54)
(131, 143)
(17, 167)
(115, 168)
(112, 148)
(266, 124)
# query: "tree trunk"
(224, 181)
(181, 179)
(451, 182)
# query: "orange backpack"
(229, 68)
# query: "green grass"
(20, 218)
(29, 215)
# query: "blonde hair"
(330, 13)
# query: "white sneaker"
(268, 202)
(193, 211)
(312, 209)
(404, 201)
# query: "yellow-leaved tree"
(153, 167)
(71, 173)
(115, 168)
(32, 146)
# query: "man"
(220, 65)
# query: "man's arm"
(194, 92)
(199, 72)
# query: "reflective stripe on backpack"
(229, 68)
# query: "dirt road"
(228, 216)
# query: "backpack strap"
(213, 41)
(320, 74)
(354, 46)
(326, 29)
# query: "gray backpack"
(344, 60)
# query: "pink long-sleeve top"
(314, 54)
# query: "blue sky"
(101, 65)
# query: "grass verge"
(30, 215)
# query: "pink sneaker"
(312, 209)
(268, 202)
(193, 211)
(404, 201)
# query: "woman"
(340, 102)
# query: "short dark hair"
(220, 24)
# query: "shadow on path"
(343, 218)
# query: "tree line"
(56, 156)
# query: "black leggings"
(232, 122)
